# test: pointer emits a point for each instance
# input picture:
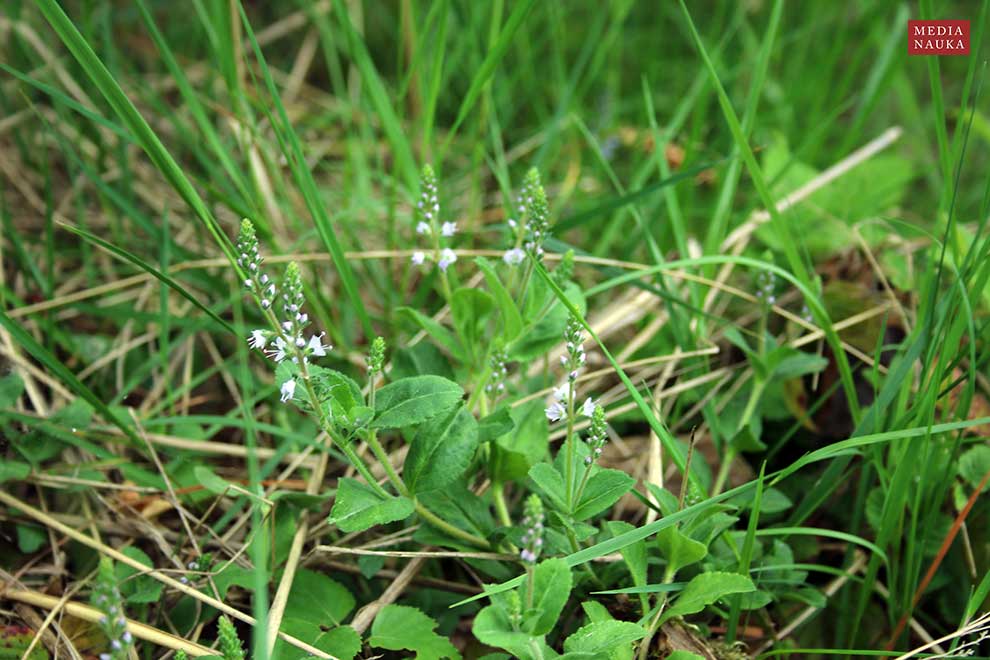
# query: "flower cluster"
(533, 226)
(230, 643)
(766, 286)
(532, 538)
(597, 435)
(572, 360)
(288, 339)
(249, 259)
(107, 599)
(499, 371)
(428, 212)
(376, 356)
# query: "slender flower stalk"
(107, 598)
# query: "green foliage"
(819, 322)
(358, 507)
(398, 627)
(414, 400)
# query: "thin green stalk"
(446, 527)
(382, 456)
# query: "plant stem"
(569, 445)
(442, 524)
(363, 469)
(382, 456)
(498, 494)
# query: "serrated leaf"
(470, 310)
(318, 599)
(603, 489)
(414, 400)
(399, 627)
(705, 589)
(338, 393)
(358, 507)
(598, 639)
(441, 451)
(422, 359)
(551, 586)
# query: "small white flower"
(278, 353)
(514, 257)
(418, 258)
(258, 339)
(317, 347)
(447, 257)
(288, 389)
(556, 411)
(422, 227)
(560, 394)
(512, 223)
(448, 229)
(588, 408)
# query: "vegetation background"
(135, 136)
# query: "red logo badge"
(938, 37)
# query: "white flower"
(278, 353)
(317, 347)
(423, 227)
(588, 408)
(556, 411)
(514, 257)
(447, 257)
(258, 339)
(448, 229)
(560, 394)
(418, 258)
(288, 389)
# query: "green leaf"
(603, 489)
(414, 400)
(210, 481)
(973, 464)
(358, 507)
(337, 392)
(513, 454)
(137, 588)
(495, 425)
(550, 483)
(317, 599)
(30, 538)
(470, 309)
(678, 549)
(11, 389)
(11, 470)
(512, 323)
(342, 642)
(492, 627)
(551, 586)
(705, 589)
(600, 638)
(441, 451)
(398, 627)
(684, 655)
